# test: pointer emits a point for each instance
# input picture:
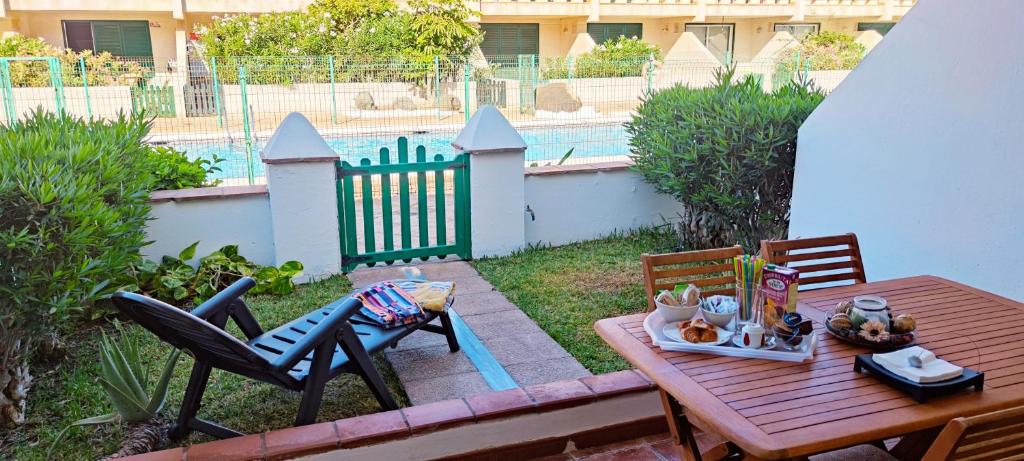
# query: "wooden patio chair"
(823, 259)
(994, 436)
(301, 355)
(704, 268)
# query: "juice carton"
(779, 285)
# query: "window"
(119, 38)
(882, 27)
(602, 32)
(798, 31)
(718, 38)
(510, 39)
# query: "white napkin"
(932, 368)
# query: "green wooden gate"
(154, 100)
(426, 175)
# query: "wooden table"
(784, 410)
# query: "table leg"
(682, 433)
(913, 446)
(691, 443)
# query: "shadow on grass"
(69, 391)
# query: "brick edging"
(392, 425)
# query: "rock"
(555, 97)
(404, 103)
(451, 103)
(364, 101)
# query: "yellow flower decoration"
(874, 331)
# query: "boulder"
(451, 103)
(364, 101)
(555, 97)
(404, 103)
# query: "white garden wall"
(588, 202)
(919, 150)
(214, 221)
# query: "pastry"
(667, 297)
(844, 307)
(698, 331)
(903, 323)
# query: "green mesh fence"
(569, 110)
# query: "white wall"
(587, 205)
(214, 222)
(919, 150)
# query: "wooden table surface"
(780, 410)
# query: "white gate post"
(303, 201)
(496, 184)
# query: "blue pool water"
(544, 145)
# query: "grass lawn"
(69, 391)
(566, 289)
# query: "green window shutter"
(602, 32)
(106, 37)
(122, 38)
(881, 27)
(510, 39)
(529, 39)
(492, 32)
(135, 39)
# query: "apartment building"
(738, 30)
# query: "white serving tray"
(654, 324)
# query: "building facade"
(725, 30)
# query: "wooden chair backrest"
(989, 437)
(821, 259)
(704, 268)
(186, 331)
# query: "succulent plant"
(126, 382)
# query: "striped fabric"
(389, 305)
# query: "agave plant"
(127, 385)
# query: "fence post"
(334, 97)
(216, 93)
(303, 199)
(245, 123)
(465, 92)
(497, 199)
(5, 80)
(57, 79)
(568, 64)
(650, 73)
(85, 85)
(437, 85)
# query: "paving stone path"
(431, 373)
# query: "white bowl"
(676, 313)
(714, 318)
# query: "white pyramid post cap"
(296, 140)
(489, 132)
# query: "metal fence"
(567, 111)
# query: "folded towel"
(432, 296)
(389, 305)
(932, 368)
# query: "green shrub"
(101, 69)
(618, 57)
(73, 205)
(726, 152)
(173, 280)
(356, 32)
(826, 50)
(172, 169)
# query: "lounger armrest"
(326, 330)
(223, 299)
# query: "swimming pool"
(544, 145)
